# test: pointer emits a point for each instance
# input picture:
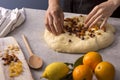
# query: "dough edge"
(61, 43)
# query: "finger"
(96, 20)
(104, 22)
(91, 14)
(47, 24)
(57, 25)
(57, 22)
(96, 15)
(50, 18)
(62, 22)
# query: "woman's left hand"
(101, 12)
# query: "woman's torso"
(84, 6)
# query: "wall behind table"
(35, 4)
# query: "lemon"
(55, 71)
(105, 71)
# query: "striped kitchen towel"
(10, 19)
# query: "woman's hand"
(54, 19)
(101, 13)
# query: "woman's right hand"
(54, 19)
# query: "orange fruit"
(82, 72)
(92, 59)
(105, 71)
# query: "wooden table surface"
(34, 27)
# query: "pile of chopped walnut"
(10, 59)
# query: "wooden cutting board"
(4, 73)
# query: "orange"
(92, 59)
(105, 71)
(82, 72)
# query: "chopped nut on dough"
(70, 40)
(99, 33)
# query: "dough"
(77, 39)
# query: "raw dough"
(90, 40)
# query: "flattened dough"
(67, 43)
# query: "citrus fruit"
(82, 72)
(92, 59)
(105, 71)
(55, 71)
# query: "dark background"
(35, 4)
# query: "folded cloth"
(10, 19)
